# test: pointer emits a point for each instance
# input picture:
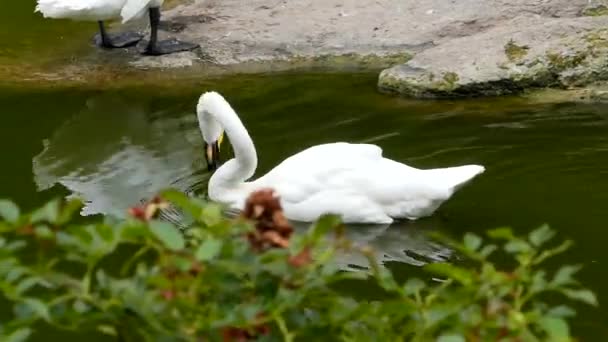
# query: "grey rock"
(522, 53)
(459, 47)
(233, 32)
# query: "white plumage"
(95, 10)
(351, 180)
(137, 8)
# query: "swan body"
(95, 10)
(354, 181)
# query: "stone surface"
(234, 32)
(525, 52)
(459, 48)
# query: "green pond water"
(545, 163)
(26, 38)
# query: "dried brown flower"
(272, 228)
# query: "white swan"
(102, 10)
(351, 180)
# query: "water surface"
(545, 163)
(27, 39)
(116, 147)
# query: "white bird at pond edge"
(353, 181)
(102, 10)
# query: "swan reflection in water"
(114, 153)
(406, 242)
(117, 152)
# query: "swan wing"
(352, 168)
(323, 158)
(318, 180)
(356, 181)
(306, 172)
(355, 188)
(453, 178)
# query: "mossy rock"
(515, 53)
(596, 11)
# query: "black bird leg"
(117, 40)
(164, 47)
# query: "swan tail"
(456, 177)
(133, 9)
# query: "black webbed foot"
(118, 40)
(165, 47)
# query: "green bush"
(252, 277)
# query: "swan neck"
(243, 166)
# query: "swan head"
(209, 106)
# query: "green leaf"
(191, 206)
(385, 279)
(249, 311)
(561, 311)
(81, 307)
(564, 246)
(183, 264)
(539, 282)
(14, 246)
(79, 237)
(26, 283)
(175, 196)
(15, 273)
(134, 230)
(20, 335)
(461, 275)
(107, 329)
(517, 246)
(44, 232)
(451, 338)
(583, 295)
(9, 211)
(211, 214)
(209, 249)
(556, 328)
(49, 213)
(105, 232)
(39, 308)
(168, 235)
(541, 235)
(413, 285)
(103, 280)
(487, 250)
(69, 209)
(472, 241)
(564, 275)
(501, 234)
(324, 225)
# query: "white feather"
(95, 10)
(137, 8)
(87, 10)
(351, 180)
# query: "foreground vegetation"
(253, 278)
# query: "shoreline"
(425, 50)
